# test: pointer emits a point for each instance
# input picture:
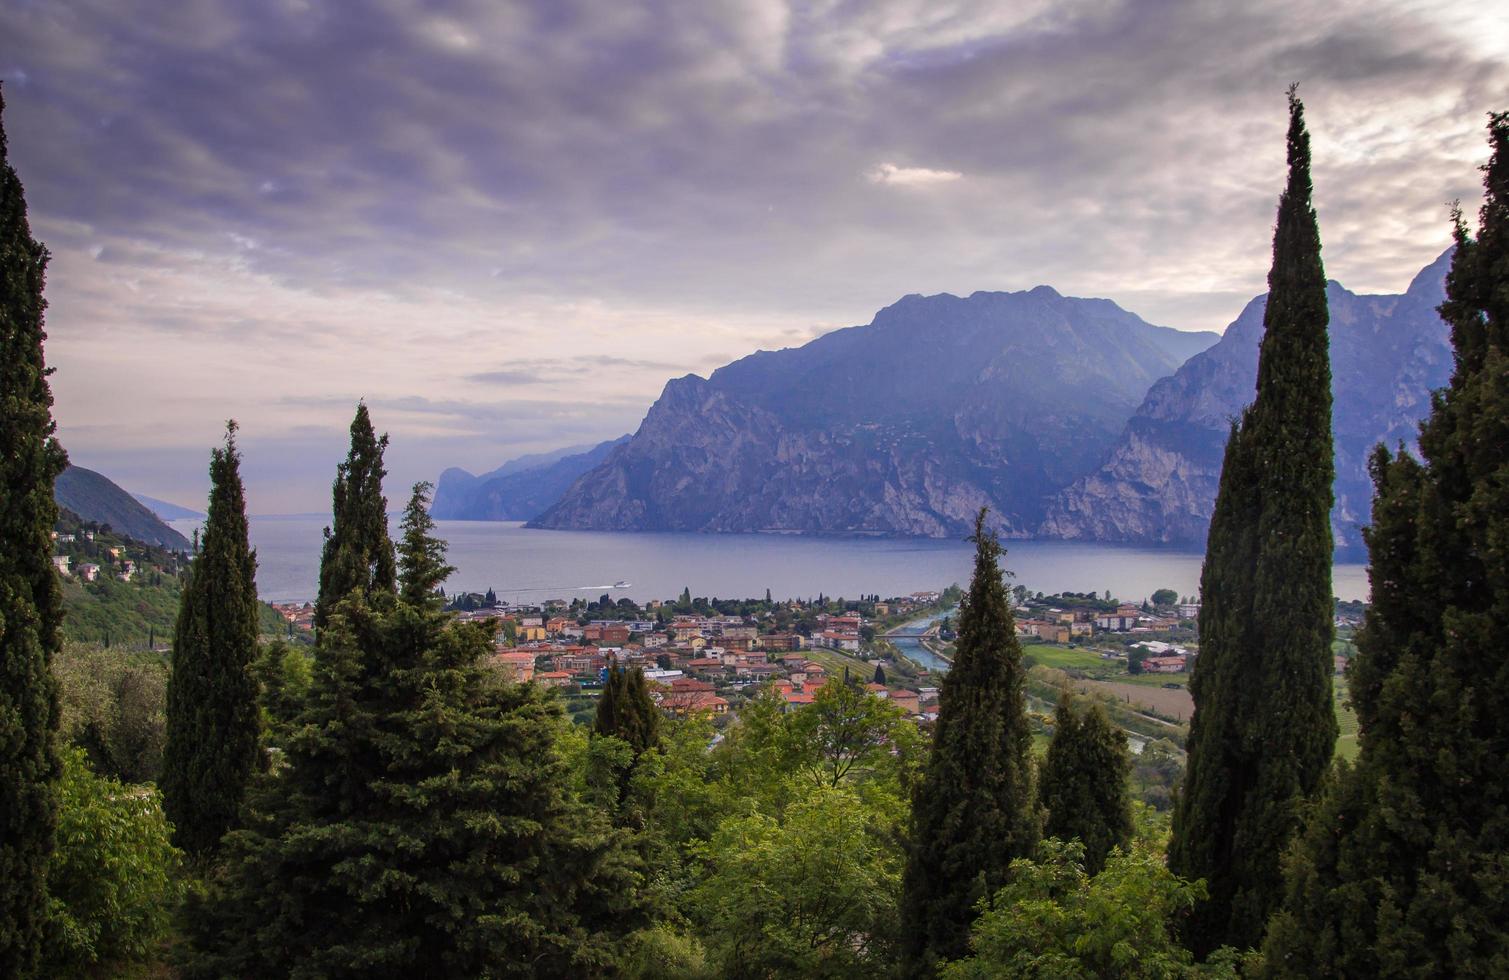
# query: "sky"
(505, 225)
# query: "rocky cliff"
(520, 489)
(907, 425)
(1157, 485)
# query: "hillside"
(904, 426)
(94, 498)
(519, 490)
(1157, 485)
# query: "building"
(89, 571)
(1163, 665)
(60, 562)
(519, 664)
(553, 678)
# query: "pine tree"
(1403, 866)
(422, 824)
(974, 811)
(31, 603)
(1264, 728)
(212, 714)
(1083, 784)
(358, 554)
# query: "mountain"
(94, 498)
(907, 425)
(520, 489)
(1157, 485)
(166, 511)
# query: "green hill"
(94, 498)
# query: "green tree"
(358, 554)
(1083, 785)
(1263, 729)
(1165, 597)
(848, 735)
(1403, 866)
(114, 707)
(974, 812)
(213, 721)
(31, 605)
(1057, 920)
(879, 675)
(113, 880)
(625, 710)
(811, 893)
(422, 824)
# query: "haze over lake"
(525, 565)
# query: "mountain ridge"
(906, 425)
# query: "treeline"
(389, 805)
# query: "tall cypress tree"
(625, 710)
(31, 604)
(1083, 785)
(1264, 729)
(974, 811)
(1403, 868)
(422, 824)
(212, 714)
(358, 554)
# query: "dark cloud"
(660, 182)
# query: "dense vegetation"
(1403, 869)
(31, 604)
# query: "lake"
(522, 564)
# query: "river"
(522, 564)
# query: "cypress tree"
(879, 675)
(1264, 728)
(973, 813)
(358, 553)
(1403, 866)
(1083, 785)
(626, 710)
(31, 603)
(422, 824)
(212, 714)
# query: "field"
(1346, 722)
(1169, 703)
(1084, 661)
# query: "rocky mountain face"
(93, 497)
(905, 426)
(518, 490)
(1157, 485)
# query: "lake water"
(531, 565)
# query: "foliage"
(662, 953)
(1083, 785)
(114, 879)
(1403, 868)
(1164, 597)
(810, 893)
(1056, 920)
(109, 611)
(30, 602)
(358, 554)
(213, 723)
(847, 734)
(625, 710)
(422, 823)
(1264, 730)
(974, 811)
(114, 707)
(283, 674)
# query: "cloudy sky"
(505, 225)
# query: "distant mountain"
(94, 498)
(519, 490)
(908, 425)
(165, 510)
(1157, 485)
